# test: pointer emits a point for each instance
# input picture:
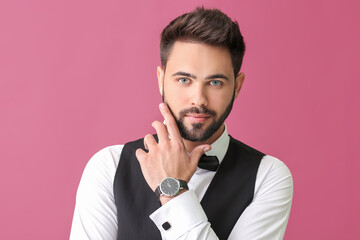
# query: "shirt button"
(166, 226)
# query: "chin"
(197, 133)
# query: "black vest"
(233, 185)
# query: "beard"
(196, 133)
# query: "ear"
(238, 83)
(160, 76)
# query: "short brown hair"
(210, 26)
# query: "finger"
(149, 141)
(145, 145)
(197, 152)
(161, 131)
(170, 122)
(140, 154)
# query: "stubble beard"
(196, 133)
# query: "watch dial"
(170, 186)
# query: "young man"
(164, 186)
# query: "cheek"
(174, 98)
(175, 92)
(220, 99)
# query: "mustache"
(202, 110)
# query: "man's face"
(199, 88)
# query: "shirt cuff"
(179, 215)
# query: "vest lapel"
(232, 188)
(134, 199)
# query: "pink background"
(76, 76)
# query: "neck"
(189, 145)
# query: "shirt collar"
(220, 146)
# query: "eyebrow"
(181, 73)
(217, 76)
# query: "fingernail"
(207, 148)
(162, 105)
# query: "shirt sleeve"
(95, 214)
(184, 218)
(267, 216)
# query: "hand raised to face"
(168, 157)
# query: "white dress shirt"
(95, 215)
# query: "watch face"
(170, 186)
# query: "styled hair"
(209, 26)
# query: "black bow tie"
(210, 163)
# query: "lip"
(197, 118)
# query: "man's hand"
(168, 158)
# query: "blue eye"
(215, 83)
(183, 80)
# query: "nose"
(199, 97)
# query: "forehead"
(200, 59)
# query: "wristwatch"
(170, 187)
